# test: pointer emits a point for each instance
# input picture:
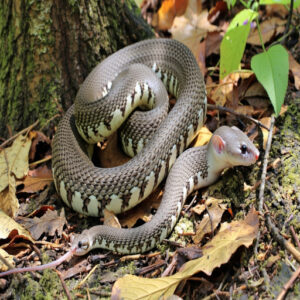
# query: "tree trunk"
(47, 48)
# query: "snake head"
(81, 243)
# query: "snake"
(128, 91)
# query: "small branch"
(228, 110)
(263, 180)
(9, 265)
(281, 240)
(288, 284)
(19, 133)
(264, 170)
(64, 285)
(295, 236)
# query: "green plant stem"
(260, 36)
(288, 23)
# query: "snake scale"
(107, 97)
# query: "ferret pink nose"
(256, 154)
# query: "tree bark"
(47, 48)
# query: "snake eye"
(79, 244)
(244, 149)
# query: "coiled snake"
(96, 114)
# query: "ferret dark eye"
(244, 149)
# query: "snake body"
(89, 189)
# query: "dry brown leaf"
(36, 180)
(213, 42)
(48, 224)
(8, 201)
(110, 219)
(14, 159)
(13, 164)
(215, 253)
(203, 137)
(168, 11)
(277, 9)
(269, 28)
(142, 211)
(192, 27)
(9, 258)
(11, 230)
(295, 68)
(38, 138)
(112, 155)
(210, 220)
(223, 92)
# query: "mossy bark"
(47, 48)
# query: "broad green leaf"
(284, 2)
(271, 69)
(215, 253)
(242, 18)
(234, 42)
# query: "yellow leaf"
(8, 200)
(192, 27)
(203, 137)
(14, 159)
(215, 253)
(10, 229)
(9, 258)
(210, 220)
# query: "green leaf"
(284, 2)
(243, 17)
(234, 42)
(271, 69)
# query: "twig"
(263, 180)
(79, 285)
(264, 169)
(191, 203)
(295, 236)
(289, 284)
(64, 285)
(9, 265)
(226, 109)
(288, 23)
(19, 133)
(280, 239)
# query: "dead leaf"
(36, 180)
(269, 28)
(215, 11)
(191, 28)
(143, 210)
(295, 68)
(112, 155)
(39, 137)
(48, 224)
(11, 230)
(203, 137)
(210, 220)
(213, 42)
(215, 253)
(223, 92)
(168, 11)
(14, 159)
(9, 258)
(9, 203)
(110, 219)
(13, 164)
(277, 9)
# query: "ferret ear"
(218, 143)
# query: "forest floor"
(237, 239)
